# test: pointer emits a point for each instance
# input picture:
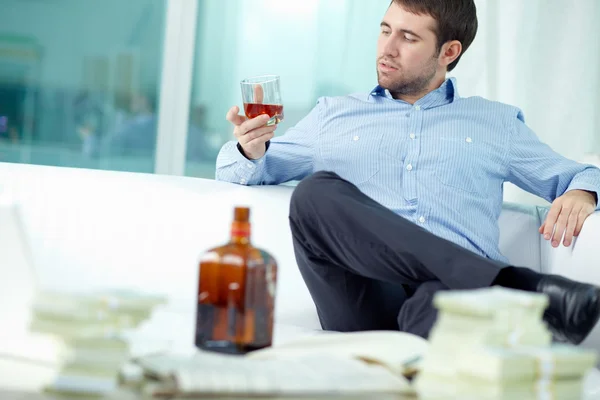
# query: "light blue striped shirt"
(440, 163)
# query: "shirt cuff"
(247, 169)
(587, 188)
(241, 151)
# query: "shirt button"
(422, 220)
(409, 167)
(418, 108)
(355, 138)
(250, 166)
(469, 140)
(242, 181)
(412, 136)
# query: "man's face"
(407, 52)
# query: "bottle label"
(240, 230)
(237, 232)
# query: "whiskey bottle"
(236, 293)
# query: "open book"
(322, 364)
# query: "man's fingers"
(251, 124)
(551, 220)
(232, 113)
(561, 225)
(571, 227)
(255, 134)
(583, 215)
(541, 228)
(261, 140)
(259, 94)
(234, 117)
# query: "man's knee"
(319, 180)
(312, 192)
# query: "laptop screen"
(18, 282)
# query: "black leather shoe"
(574, 308)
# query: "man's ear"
(450, 52)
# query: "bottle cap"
(241, 214)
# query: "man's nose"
(390, 48)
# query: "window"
(79, 82)
(318, 48)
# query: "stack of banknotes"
(90, 329)
(493, 344)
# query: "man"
(404, 185)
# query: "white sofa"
(94, 229)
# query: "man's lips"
(383, 66)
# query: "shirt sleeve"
(288, 157)
(536, 168)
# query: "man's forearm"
(233, 166)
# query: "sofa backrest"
(82, 219)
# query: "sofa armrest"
(580, 261)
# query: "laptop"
(30, 360)
(18, 281)
(27, 361)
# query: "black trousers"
(369, 269)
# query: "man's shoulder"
(476, 104)
(483, 105)
(354, 98)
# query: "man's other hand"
(567, 215)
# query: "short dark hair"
(456, 20)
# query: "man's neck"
(412, 98)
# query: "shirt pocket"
(354, 156)
(460, 164)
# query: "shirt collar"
(445, 94)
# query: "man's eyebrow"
(386, 25)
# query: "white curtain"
(544, 57)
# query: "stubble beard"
(410, 86)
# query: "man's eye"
(409, 39)
(385, 32)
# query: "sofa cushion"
(519, 237)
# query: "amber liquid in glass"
(253, 110)
(236, 294)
